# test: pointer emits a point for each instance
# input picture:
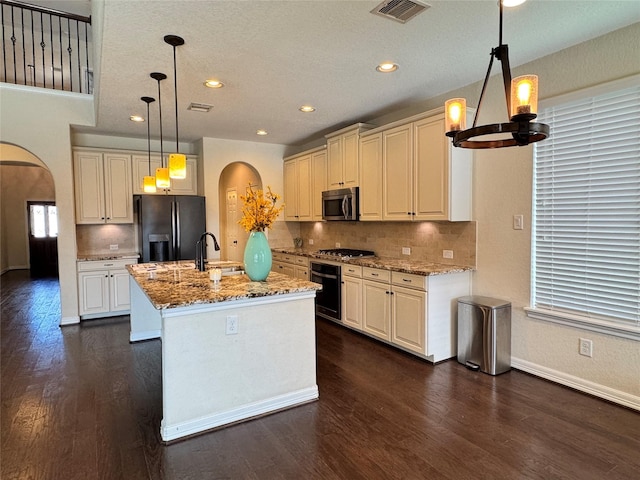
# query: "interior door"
(43, 239)
(233, 245)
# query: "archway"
(233, 182)
(26, 188)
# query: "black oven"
(328, 300)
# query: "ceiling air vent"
(200, 107)
(400, 10)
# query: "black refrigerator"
(169, 226)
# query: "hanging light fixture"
(521, 95)
(162, 172)
(149, 181)
(177, 161)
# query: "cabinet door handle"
(406, 280)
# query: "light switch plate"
(113, 247)
(447, 253)
(406, 250)
(518, 222)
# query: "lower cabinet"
(413, 312)
(293, 265)
(352, 296)
(103, 288)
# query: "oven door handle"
(324, 275)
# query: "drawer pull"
(406, 280)
(375, 274)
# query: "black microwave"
(341, 204)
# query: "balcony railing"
(42, 47)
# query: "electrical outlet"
(232, 324)
(518, 222)
(447, 253)
(311, 241)
(406, 251)
(586, 347)
(337, 244)
(113, 247)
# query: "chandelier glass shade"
(521, 95)
(177, 161)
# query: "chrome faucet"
(201, 250)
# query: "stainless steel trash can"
(484, 334)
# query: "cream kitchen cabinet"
(297, 188)
(413, 312)
(376, 303)
(371, 177)
(293, 265)
(423, 176)
(186, 186)
(103, 288)
(343, 156)
(318, 181)
(352, 296)
(102, 182)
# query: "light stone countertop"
(415, 267)
(179, 284)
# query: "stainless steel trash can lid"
(484, 301)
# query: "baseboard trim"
(244, 412)
(69, 320)
(145, 335)
(577, 383)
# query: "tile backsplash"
(97, 239)
(426, 240)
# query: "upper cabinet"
(102, 187)
(186, 186)
(305, 178)
(343, 156)
(423, 176)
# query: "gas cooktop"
(346, 252)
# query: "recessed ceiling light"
(307, 109)
(136, 118)
(213, 84)
(512, 3)
(261, 132)
(387, 67)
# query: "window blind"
(586, 240)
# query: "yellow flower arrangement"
(259, 210)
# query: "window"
(586, 222)
(43, 219)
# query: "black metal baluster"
(78, 55)
(53, 72)
(33, 52)
(13, 41)
(24, 53)
(4, 54)
(69, 49)
(61, 54)
(86, 49)
(42, 45)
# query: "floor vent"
(400, 10)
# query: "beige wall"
(18, 185)
(503, 187)
(39, 120)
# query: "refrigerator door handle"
(175, 229)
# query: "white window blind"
(586, 241)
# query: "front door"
(43, 239)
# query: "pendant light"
(521, 95)
(177, 161)
(162, 173)
(149, 181)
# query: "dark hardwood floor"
(80, 402)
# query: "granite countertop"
(415, 267)
(179, 284)
(84, 257)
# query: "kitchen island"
(231, 350)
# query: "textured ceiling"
(274, 56)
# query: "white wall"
(216, 154)
(39, 120)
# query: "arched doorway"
(233, 182)
(28, 216)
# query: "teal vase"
(257, 257)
